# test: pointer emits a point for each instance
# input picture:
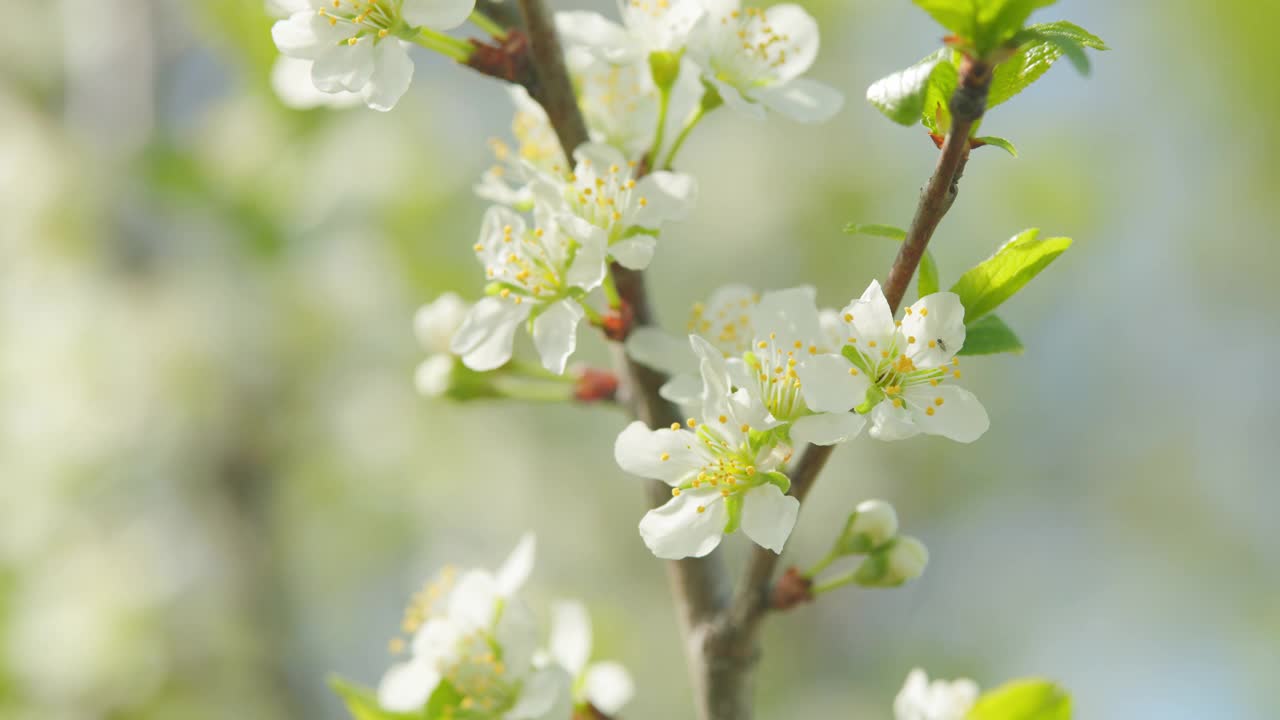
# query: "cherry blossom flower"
(540, 274)
(648, 26)
(605, 686)
(911, 367)
(754, 59)
(920, 699)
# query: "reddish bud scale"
(595, 386)
(791, 590)
(617, 323)
(507, 59)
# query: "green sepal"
(467, 384)
(751, 359)
(710, 97)
(733, 506)
(996, 279)
(989, 335)
(635, 230)
(783, 482)
(851, 354)
(444, 701)
(874, 397)
(1026, 699)
(665, 67)
(873, 570)
(850, 543)
(362, 703)
(996, 141)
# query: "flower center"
(754, 51)
(378, 17)
(774, 365)
(528, 264)
(478, 675)
(604, 199)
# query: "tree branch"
(967, 105)
(698, 585)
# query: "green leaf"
(1039, 47)
(901, 96)
(1029, 699)
(983, 288)
(988, 336)
(985, 24)
(874, 230)
(936, 113)
(363, 704)
(927, 275)
(1000, 143)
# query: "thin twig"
(751, 600)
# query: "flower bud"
(872, 524)
(433, 376)
(665, 66)
(443, 375)
(902, 559)
(436, 322)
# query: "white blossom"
(920, 699)
(724, 473)
(291, 81)
(360, 46)
(540, 273)
(911, 367)
(601, 201)
(648, 26)
(607, 685)
(471, 631)
(537, 147)
(754, 58)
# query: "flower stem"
(839, 582)
(450, 47)
(823, 564)
(534, 390)
(664, 105)
(592, 314)
(487, 24)
(521, 368)
(710, 101)
(611, 290)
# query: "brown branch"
(753, 596)
(698, 585)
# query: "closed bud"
(872, 524)
(436, 322)
(901, 559)
(445, 376)
(665, 66)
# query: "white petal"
(736, 100)
(803, 100)
(344, 67)
(407, 686)
(555, 334)
(768, 516)
(677, 530)
(484, 341)
(609, 687)
(682, 389)
(654, 348)
(634, 253)
(517, 635)
(717, 384)
(960, 417)
(306, 35)
(599, 157)
(437, 321)
(791, 314)
(437, 14)
(827, 428)
(828, 384)
(544, 696)
(516, 568)
(936, 319)
(392, 74)
(436, 642)
(891, 423)
(668, 196)
(640, 451)
(605, 38)
(433, 375)
(474, 600)
(872, 321)
(571, 636)
(291, 81)
(801, 30)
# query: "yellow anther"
(702, 508)
(904, 364)
(382, 34)
(664, 457)
(675, 426)
(893, 390)
(955, 361)
(853, 371)
(477, 247)
(884, 353)
(644, 202)
(897, 402)
(937, 401)
(933, 343)
(352, 41)
(848, 317)
(871, 344)
(799, 344)
(505, 292)
(762, 344)
(725, 492)
(908, 311)
(911, 339)
(691, 422)
(538, 232)
(924, 312)
(956, 374)
(813, 349)
(723, 419)
(928, 411)
(934, 382)
(675, 492)
(745, 428)
(751, 470)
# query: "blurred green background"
(217, 484)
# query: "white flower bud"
(434, 375)
(907, 559)
(436, 322)
(873, 523)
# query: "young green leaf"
(875, 230)
(996, 279)
(927, 276)
(901, 96)
(363, 704)
(1039, 47)
(954, 15)
(936, 113)
(984, 24)
(989, 335)
(1029, 699)
(999, 142)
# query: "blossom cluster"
(473, 651)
